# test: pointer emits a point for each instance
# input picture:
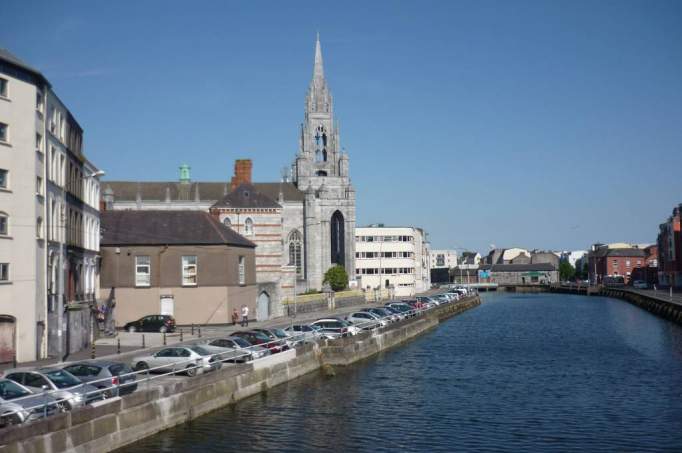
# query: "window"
(3, 87)
(295, 252)
(248, 227)
(39, 102)
(4, 132)
(4, 224)
(143, 271)
(39, 185)
(39, 227)
(4, 272)
(627, 263)
(189, 270)
(4, 178)
(242, 270)
(227, 222)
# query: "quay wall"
(154, 407)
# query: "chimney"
(242, 173)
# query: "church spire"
(318, 69)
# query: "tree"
(566, 271)
(336, 277)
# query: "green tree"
(336, 277)
(566, 271)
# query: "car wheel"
(131, 329)
(191, 371)
(141, 366)
(163, 329)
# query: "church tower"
(321, 172)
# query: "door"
(167, 305)
(263, 307)
(7, 345)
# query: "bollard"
(118, 346)
(192, 328)
(199, 331)
(93, 353)
(143, 346)
(164, 338)
(181, 338)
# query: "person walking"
(235, 316)
(245, 316)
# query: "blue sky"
(526, 123)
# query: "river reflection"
(521, 372)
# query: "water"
(521, 372)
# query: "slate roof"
(246, 196)
(208, 191)
(604, 251)
(166, 228)
(9, 57)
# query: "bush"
(336, 277)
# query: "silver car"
(60, 384)
(188, 359)
(250, 351)
(365, 320)
(19, 405)
(305, 332)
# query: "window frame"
(4, 186)
(140, 282)
(241, 270)
(5, 216)
(4, 95)
(5, 276)
(6, 127)
(248, 226)
(185, 268)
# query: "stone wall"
(118, 422)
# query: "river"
(537, 372)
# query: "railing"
(192, 366)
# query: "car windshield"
(316, 327)
(261, 336)
(199, 350)
(62, 379)
(280, 333)
(241, 342)
(10, 390)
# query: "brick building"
(670, 250)
(619, 260)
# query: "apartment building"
(392, 260)
(49, 220)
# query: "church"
(302, 224)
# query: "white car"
(189, 359)
(304, 332)
(240, 345)
(335, 328)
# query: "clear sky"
(550, 124)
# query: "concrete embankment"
(155, 407)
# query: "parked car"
(397, 313)
(274, 339)
(152, 323)
(365, 320)
(427, 301)
(640, 284)
(18, 404)
(114, 377)
(66, 388)
(259, 338)
(405, 309)
(332, 328)
(304, 331)
(291, 341)
(188, 359)
(243, 347)
(382, 313)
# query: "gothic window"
(324, 140)
(227, 222)
(248, 227)
(338, 239)
(295, 252)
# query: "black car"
(113, 377)
(152, 323)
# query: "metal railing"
(194, 365)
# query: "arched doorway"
(263, 307)
(7, 338)
(338, 230)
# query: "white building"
(443, 259)
(49, 219)
(394, 260)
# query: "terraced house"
(49, 220)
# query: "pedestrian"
(235, 316)
(245, 316)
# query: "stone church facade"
(302, 225)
